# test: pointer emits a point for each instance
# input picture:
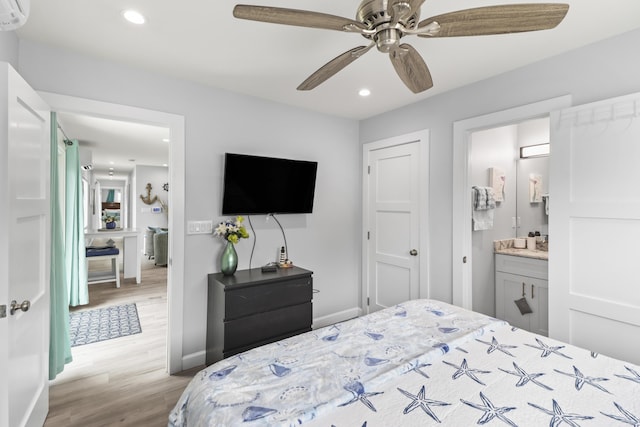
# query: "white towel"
(483, 206)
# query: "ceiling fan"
(385, 22)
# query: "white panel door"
(594, 291)
(24, 254)
(393, 223)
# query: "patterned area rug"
(86, 327)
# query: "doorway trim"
(462, 130)
(175, 267)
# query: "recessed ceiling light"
(364, 92)
(165, 139)
(134, 17)
(165, 165)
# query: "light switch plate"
(199, 227)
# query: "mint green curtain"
(75, 252)
(111, 196)
(59, 346)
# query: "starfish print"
(629, 418)
(547, 350)
(491, 411)
(464, 369)
(418, 368)
(558, 416)
(419, 401)
(581, 380)
(525, 377)
(494, 345)
(357, 389)
(634, 378)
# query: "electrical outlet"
(199, 227)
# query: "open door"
(24, 253)
(594, 301)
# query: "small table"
(130, 251)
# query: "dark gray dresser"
(252, 308)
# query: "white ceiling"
(117, 145)
(200, 40)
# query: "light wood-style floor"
(122, 381)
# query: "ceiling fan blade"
(332, 67)
(300, 18)
(510, 18)
(411, 68)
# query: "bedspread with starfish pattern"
(419, 363)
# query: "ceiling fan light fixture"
(134, 16)
(364, 92)
(385, 22)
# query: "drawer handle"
(524, 293)
(532, 291)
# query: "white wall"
(326, 242)
(602, 70)
(9, 48)
(156, 176)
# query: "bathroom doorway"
(462, 284)
(520, 185)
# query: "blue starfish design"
(418, 368)
(629, 418)
(494, 345)
(419, 401)
(634, 378)
(525, 377)
(357, 389)
(491, 411)
(558, 416)
(547, 350)
(464, 369)
(581, 380)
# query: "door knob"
(15, 306)
(413, 252)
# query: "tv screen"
(267, 185)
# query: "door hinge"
(368, 235)
(367, 301)
(368, 170)
(3, 311)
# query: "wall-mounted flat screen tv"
(267, 185)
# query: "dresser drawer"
(265, 297)
(262, 326)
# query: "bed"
(419, 363)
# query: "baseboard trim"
(340, 316)
(194, 359)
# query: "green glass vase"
(229, 260)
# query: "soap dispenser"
(531, 241)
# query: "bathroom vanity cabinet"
(522, 277)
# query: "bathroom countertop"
(528, 253)
(505, 247)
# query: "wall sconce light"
(539, 150)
